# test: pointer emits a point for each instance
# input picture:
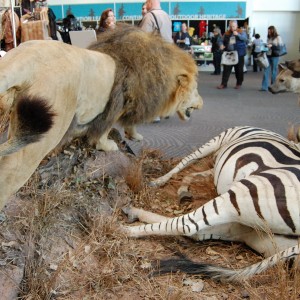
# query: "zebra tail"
(221, 273)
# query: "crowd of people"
(235, 39)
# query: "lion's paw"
(134, 137)
(137, 137)
(109, 145)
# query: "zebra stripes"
(257, 176)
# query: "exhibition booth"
(254, 16)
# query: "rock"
(245, 294)
(10, 279)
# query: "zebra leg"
(138, 214)
(216, 212)
(205, 150)
(226, 232)
(183, 192)
(209, 148)
(264, 243)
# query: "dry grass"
(74, 247)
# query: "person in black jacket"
(217, 42)
(234, 40)
(182, 38)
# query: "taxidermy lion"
(56, 92)
(288, 78)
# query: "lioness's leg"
(132, 134)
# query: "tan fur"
(286, 80)
(83, 92)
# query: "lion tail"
(32, 117)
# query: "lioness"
(288, 78)
(56, 92)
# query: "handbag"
(279, 50)
(230, 58)
(262, 60)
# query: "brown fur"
(83, 92)
(143, 88)
(294, 66)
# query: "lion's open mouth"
(188, 112)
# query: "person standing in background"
(234, 40)
(157, 20)
(182, 38)
(144, 9)
(274, 40)
(217, 42)
(257, 46)
(107, 20)
(203, 38)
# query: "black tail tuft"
(34, 116)
(177, 264)
(186, 266)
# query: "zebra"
(257, 177)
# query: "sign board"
(179, 10)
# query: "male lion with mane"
(56, 92)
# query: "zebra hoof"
(152, 184)
(185, 196)
(131, 217)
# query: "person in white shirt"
(257, 46)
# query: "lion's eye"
(281, 80)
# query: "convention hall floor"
(222, 109)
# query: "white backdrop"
(287, 24)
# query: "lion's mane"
(146, 82)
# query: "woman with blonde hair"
(274, 40)
(107, 20)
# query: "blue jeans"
(273, 67)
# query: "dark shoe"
(238, 86)
(221, 87)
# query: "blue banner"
(180, 10)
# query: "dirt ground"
(61, 239)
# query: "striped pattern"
(257, 176)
